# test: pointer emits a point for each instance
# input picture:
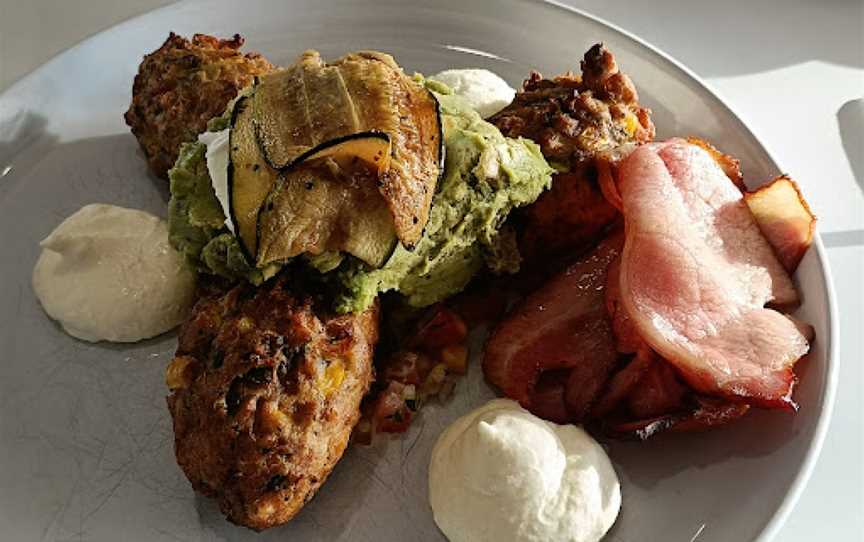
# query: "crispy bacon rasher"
(562, 327)
(696, 274)
(784, 218)
(692, 249)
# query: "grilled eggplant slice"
(300, 107)
(319, 207)
(250, 178)
(409, 114)
(300, 111)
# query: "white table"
(794, 70)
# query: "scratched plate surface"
(85, 436)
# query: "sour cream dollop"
(501, 474)
(485, 91)
(109, 274)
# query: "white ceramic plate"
(85, 436)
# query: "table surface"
(793, 69)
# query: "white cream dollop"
(108, 273)
(485, 90)
(217, 166)
(501, 474)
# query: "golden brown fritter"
(266, 388)
(576, 120)
(181, 86)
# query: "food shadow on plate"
(850, 121)
(687, 467)
(56, 179)
(162, 185)
(25, 138)
(753, 438)
(757, 435)
(668, 124)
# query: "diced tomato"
(404, 367)
(421, 369)
(442, 328)
(393, 408)
(434, 381)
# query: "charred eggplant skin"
(442, 157)
(318, 150)
(442, 149)
(250, 179)
(235, 113)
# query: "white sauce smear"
(109, 274)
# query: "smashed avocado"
(485, 176)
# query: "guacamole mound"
(485, 176)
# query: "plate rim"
(769, 529)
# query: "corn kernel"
(175, 375)
(332, 378)
(245, 324)
(630, 124)
(432, 385)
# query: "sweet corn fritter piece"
(181, 86)
(265, 390)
